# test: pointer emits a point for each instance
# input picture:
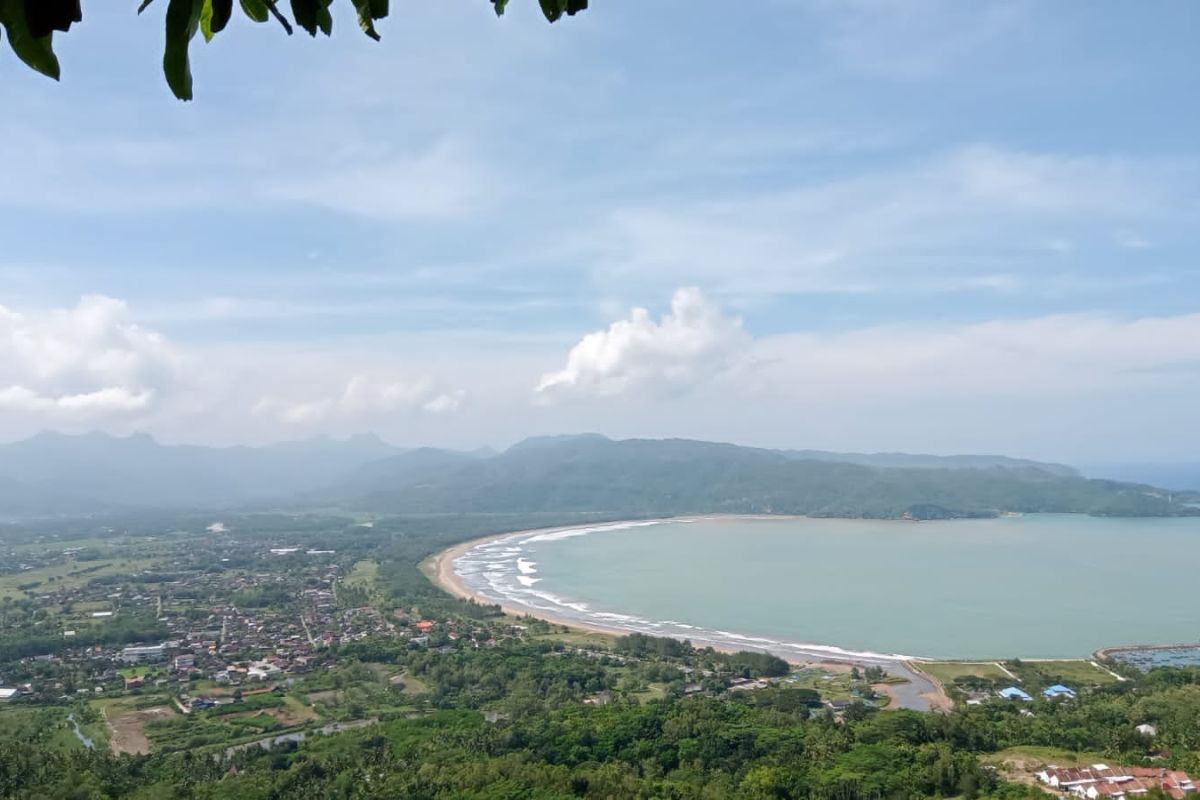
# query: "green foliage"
(510, 712)
(256, 702)
(120, 631)
(29, 25)
(30, 35)
(183, 20)
(643, 477)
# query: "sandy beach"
(920, 692)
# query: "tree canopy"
(30, 26)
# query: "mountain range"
(57, 474)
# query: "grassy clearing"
(576, 638)
(295, 712)
(66, 575)
(947, 671)
(135, 672)
(654, 691)
(829, 684)
(57, 546)
(1075, 674)
(1030, 758)
(113, 705)
(364, 574)
(414, 685)
(24, 722)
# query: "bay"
(1034, 586)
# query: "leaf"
(575, 6)
(553, 9)
(325, 18)
(36, 51)
(256, 10)
(498, 7)
(379, 9)
(183, 20)
(144, 5)
(222, 12)
(305, 14)
(44, 16)
(365, 20)
(206, 17)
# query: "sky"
(872, 225)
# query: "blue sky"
(922, 225)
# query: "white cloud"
(364, 393)
(936, 222)
(1132, 241)
(363, 397)
(110, 399)
(445, 403)
(444, 181)
(88, 360)
(692, 343)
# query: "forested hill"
(53, 474)
(639, 476)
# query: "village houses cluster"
(1101, 780)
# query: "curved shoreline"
(920, 693)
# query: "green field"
(576, 638)
(947, 671)
(413, 685)
(830, 685)
(28, 723)
(135, 672)
(1072, 673)
(364, 574)
(1031, 757)
(67, 575)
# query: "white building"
(141, 654)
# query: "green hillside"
(636, 476)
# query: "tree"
(30, 26)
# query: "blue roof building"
(1013, 693)
(1057, 690)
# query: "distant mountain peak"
(559, 440)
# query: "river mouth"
(1036, 586)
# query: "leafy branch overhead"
(29, 26)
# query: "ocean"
(1034, 586)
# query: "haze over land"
(56, 474)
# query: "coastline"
(921, 692)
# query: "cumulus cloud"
(446, 403)
(113, 398)
(88, 360)
(364, 396)
(692, 343)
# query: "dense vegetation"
(492, 714)
(764, 746)
(680, 476)
(54, 474)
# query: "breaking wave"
(502, 570)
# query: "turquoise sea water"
(1037, 586)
